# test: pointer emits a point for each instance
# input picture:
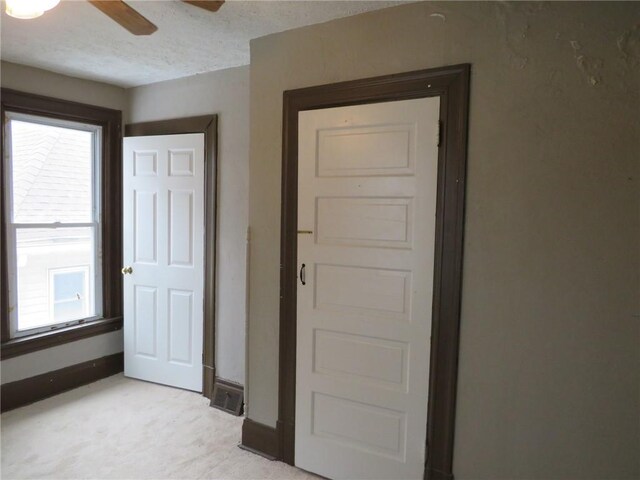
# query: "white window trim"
(96, 224)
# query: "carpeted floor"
(120, 428)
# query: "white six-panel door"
(367, 192)
(163, 215)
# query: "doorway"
(207, 126)
(451, 86)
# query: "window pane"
(69, 293)
(56, 271)
(52, 173)
(65, 311)
(68, 285)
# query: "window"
(61, 222)
(53, 223)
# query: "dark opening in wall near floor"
(228, 396)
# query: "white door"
(163, 214)
(367, 190)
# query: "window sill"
(40, 341)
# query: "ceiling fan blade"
(126, 16)
(210, 5)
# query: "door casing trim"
(451, 84)
(207, 124)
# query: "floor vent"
(228, 396)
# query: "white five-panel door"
(163, 215)
(366, 219)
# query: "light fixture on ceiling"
(25, 9)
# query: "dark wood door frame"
(207, 124)
(451, 84)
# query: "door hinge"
(439, 134)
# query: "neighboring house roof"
(52, 170)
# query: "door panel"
(180, 326)
(363, 291)
(351, 151)
(145, 234)
(181, 228)
(362, 426)
(145, 320)
(365, 222)
(164, 246)
(367, 178)
(360, 358)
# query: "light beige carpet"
(120, 428)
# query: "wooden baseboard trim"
(23, 392)
(208, 380)
(286, 431)
(260, 439)
(256, 452)
(433, 474)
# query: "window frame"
(13, 226)
(109, 178)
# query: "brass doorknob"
(126, 270)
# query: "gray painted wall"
(42, 82)
(226, 93)
(549, 360)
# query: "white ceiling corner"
(77, 39)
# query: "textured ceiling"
(77, 39)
